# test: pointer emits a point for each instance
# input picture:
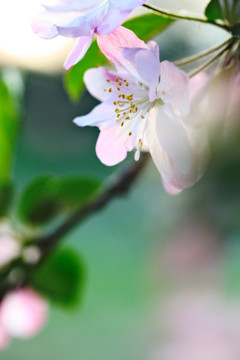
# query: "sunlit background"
(162, 272)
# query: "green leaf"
(38, 203)
(75, 191)
(228, 11)
(145, 27)
(60, 278)
(6, 195)
(214, 10)
(148, 26)
(9, 127)
(47, 197)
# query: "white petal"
(174, 87)
(102, 116)
(171, 149)
(95, 81)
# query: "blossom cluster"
(146, 105)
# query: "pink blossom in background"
(199, 326)
(23, 313)
(82, 20)
(143, 101)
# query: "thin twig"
(117, 188)
(201, 55)
(174, 15)
(212, 60)
(47, 243)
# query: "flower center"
(127, 105)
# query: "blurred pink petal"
(23, 313)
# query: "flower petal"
(66, 20)
(170, 148)
(95, 81)
(72, 5)
(174, 87)
(110, 148)
(111, 46)
(147, 65)
(85, 24)
(79, 50)
(102, 115)
(117, 14)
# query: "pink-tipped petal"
(23, 313)
(174, 87)
(110, 147)
(79, 50)
(111, 46)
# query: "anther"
(110, 90)
(130, 133)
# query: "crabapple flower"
(82, 20)
(23, 313)
(143, 101)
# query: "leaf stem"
(202, 54)
(191, 17)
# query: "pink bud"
(24, 313)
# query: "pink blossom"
(143, 101)
(199, 326)
(23, 313)
(82, 19)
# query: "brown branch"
(47, 243)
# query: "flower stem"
(202, 54)
(211, 61)
(175, 16)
